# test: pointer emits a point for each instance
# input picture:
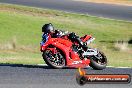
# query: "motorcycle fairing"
(85, 38)
(72, 58)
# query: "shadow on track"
(31, 66)
(26, 66)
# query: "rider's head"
(48, 28)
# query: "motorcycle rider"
(49, 31)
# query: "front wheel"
(56, 60)
(99, 61)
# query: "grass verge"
(20, 33)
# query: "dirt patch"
(117, 2)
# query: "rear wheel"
(99, 61)
(56, 60)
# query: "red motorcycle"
(62, 52)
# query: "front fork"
(90, 52)
(93, 53)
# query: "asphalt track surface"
(101, 10)
(28, 76)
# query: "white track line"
(118, 67)
(42, 65)
(88, 66)
(124, 67)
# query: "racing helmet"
(47, 28)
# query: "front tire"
(98, 62)
(52, 61)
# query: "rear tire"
(50, 63)
(96, 65)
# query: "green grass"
(21, 26)
(21, 57)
